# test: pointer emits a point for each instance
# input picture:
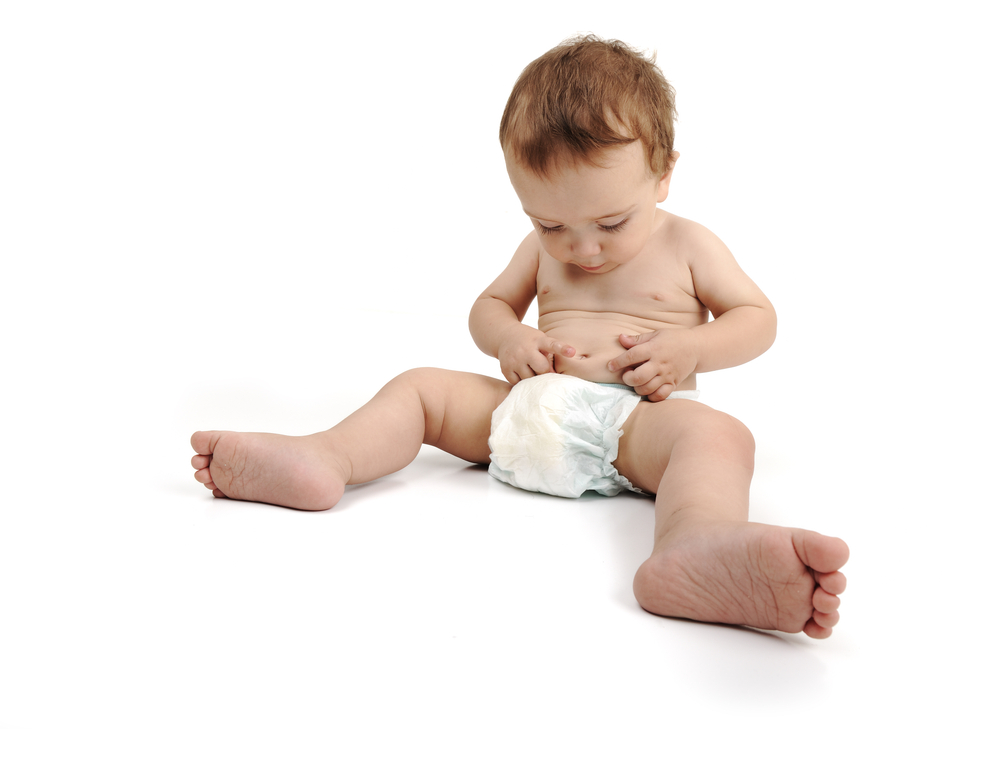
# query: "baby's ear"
(663, 185)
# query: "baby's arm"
(495, 319)
(743, 327)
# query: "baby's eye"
(617, 227)
(548, 229)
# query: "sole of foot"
(742, 573)
(293, 471)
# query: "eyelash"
(611, 229)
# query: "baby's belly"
(593, 352)
(595, 340)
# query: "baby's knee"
(741, 436)
(420, 379)
(730, 435)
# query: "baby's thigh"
(655, 430)
(458, 409)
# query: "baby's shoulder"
(688, 239)
(530, 249)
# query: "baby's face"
(596, 218)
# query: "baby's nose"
(584, 247)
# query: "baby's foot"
(741, 573)
(294, 471)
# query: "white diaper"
(559, 435)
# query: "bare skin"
(712, 567)
(709, 563)
(625, 291)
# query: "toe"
(819, 552)
(815, 631)
(832, 582)
(825, 620)
(825, 602)
(200, 461)
(203, 442)
(204, 476)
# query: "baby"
(602, 395)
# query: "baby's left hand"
(659, 361)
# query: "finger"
(630, 358)
(647, 388)
(553, 346)
(657, 389)
(539, 365)
(630, 341)
(662, 393)
(642, 376)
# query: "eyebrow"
(599, 218)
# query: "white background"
(250, 215)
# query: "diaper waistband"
(617, 385)
(691, 394)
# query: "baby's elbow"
(483, 312)
(478, 305)
(474, 312)
(771, 326)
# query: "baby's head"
(584, 97)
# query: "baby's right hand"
(527, 352)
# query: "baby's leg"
(709, 563)
(446, 409)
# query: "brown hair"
(584, 96)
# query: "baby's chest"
(626, 291)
